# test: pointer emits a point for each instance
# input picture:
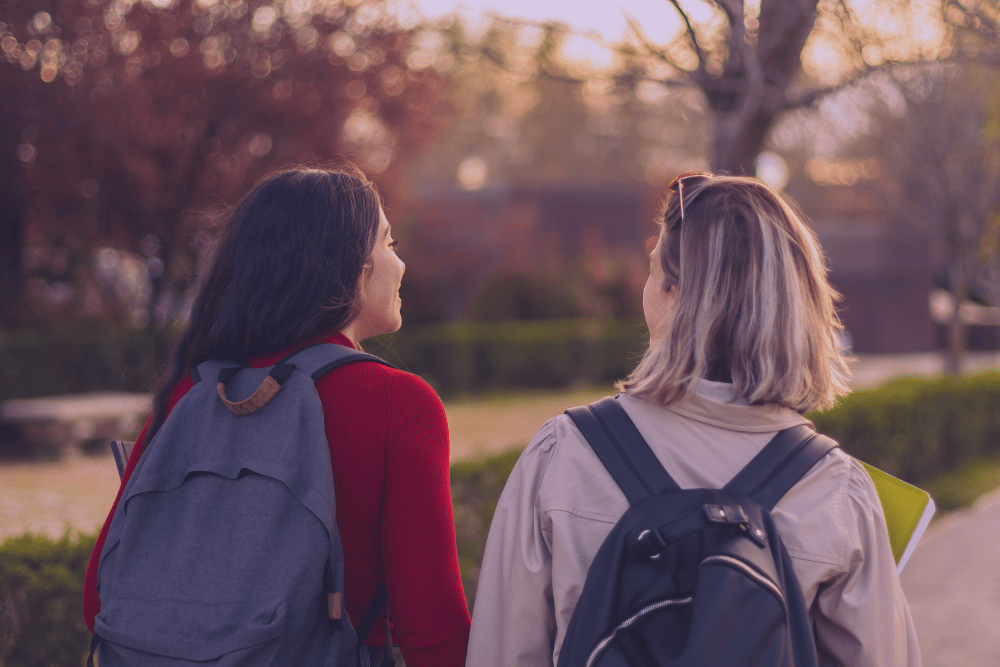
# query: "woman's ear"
(651, 243)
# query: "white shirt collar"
(720, 392)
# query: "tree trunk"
(12, 209)
(11, 248)
(159, 287)
(957, 330)
(738, 142)
(747, 98)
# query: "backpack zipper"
(753, 574)
(717, 558)
(601, 645)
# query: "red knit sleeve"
(426, 599)
(91, 602)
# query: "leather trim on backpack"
(267, 390)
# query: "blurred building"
(518, 228)
(884, 273)
(619, 214)
(883, 268)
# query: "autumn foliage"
(130, 124)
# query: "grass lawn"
(487, 433)
(481, 426)
(46, 497)
(962, 487)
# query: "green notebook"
(907, 510)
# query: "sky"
(606, 18)
(605, 21)
(906, 27)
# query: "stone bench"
(57, 425)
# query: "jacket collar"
(712, 403)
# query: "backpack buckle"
(728, 514)
(647, 546)
(733, 515)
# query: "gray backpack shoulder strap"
(210, 369)
(314, 360)
(319, 359)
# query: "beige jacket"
(560, 503)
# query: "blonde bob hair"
(752, 306)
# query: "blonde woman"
(743, 341)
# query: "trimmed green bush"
(475, 490)
(923, 431)
(918, 429)
(41, 584)
(963, 486)
(45, 362)
(471, 357)
(456, 358)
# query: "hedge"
(459, 357)
(475, 490)
(915, 429)
(470, 357)
(41, 624)
(45, 362)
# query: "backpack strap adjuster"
(647, 546)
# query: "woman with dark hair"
(743, 339)
(308, 257)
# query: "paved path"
(952, 583)
(874, 369)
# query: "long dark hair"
(285, 269)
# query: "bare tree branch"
(990, 23)
(692, 36)
(762, 64)
(656, 52)
(813, 96)
(751, 101)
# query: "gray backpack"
(223, 549)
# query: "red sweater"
(388, 439)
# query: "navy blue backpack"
(224, 550)
(695, 577)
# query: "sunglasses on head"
(677, 185)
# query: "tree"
(522, 111)
(12, 204)
(755, 61)
(935, 133)
(938, 134)
(747, 62)
(174, 108)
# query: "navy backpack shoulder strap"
(782, 463)
(622, 449)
